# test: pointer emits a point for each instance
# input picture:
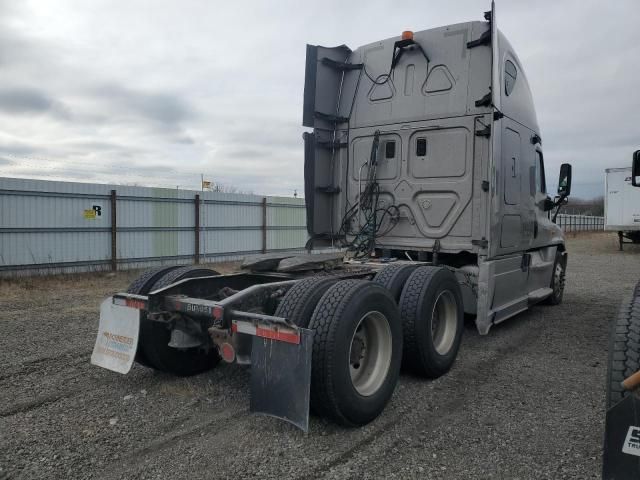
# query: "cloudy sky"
(156, 92)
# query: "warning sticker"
(93, 213)
(632, 442)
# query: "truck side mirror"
(635, 169)
(564, 182)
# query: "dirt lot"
(527, 401)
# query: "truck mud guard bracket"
(341, 65)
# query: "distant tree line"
(580, 206)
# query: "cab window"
(541, 185)
(510, 75)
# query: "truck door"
(507, 274)
(542, 256)
(511, 175)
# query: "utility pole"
(202, 182)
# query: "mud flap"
(281, 378)
(621, 458)
(117, 340)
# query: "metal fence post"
(264, 225)
(196, 230)
(114, 236)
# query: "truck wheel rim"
(444, 322)
(370, 353)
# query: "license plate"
(117, 340)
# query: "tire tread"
(325, 323)
(411, 355)
(394, 277)
(295, 301)
(624, 347)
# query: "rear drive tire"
(155, 337)
(357, 351)
(393, 277)
(300, 301)
(557, 280)
(432, 315)
(624, 348)
(141, 286)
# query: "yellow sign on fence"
(89, 214)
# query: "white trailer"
(622, 205)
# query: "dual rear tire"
(357, 352)
(359, 330)
(357, 345)
(153, 344)
(432, 315)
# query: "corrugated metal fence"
(579, 223)
(53, 227)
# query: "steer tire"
(141, 286)
(624, 348)
(155, 337)
(431, 344)
(393, 277)
(557, 280)
(355, 312)
(300, 301)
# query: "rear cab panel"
(427, 112)
(460, 157)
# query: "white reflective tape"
(119, 301)
(244, 327)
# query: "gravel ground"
(526, 401)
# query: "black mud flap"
(281, 378)
(621, 458)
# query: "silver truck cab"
(425, 163)
(458, 164)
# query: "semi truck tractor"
(621, 459)
(425, 179)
